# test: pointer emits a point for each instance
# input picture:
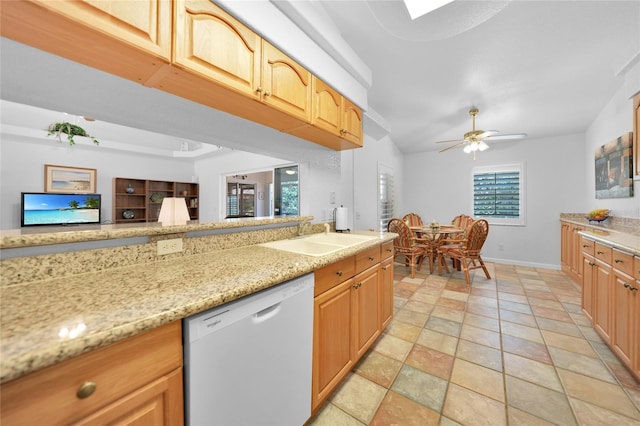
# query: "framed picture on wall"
(69, 179)
(614, 168)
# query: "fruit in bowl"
(598, 215)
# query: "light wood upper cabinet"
(327, 107)
(209, 41)
(285, 84)
(636, 133)
(128, 39)
(351, 122)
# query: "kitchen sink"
(319, 244)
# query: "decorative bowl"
(599, 215)
(157, 197)
(128, 214)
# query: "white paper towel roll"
(341, 215)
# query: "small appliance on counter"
(340, 219)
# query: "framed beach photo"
(69, 179)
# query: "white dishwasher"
(248, 362)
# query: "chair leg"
(465, 266)
(484, 268)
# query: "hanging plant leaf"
(70, 130)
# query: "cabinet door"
(326, 109)
(386, 292)
(333, 354)
(212, 43)
(367, 309)
(158, 403)
(351, 122)
(564, 245)
(285, 85)
(623, 306)
(588, 280)
(110, 35)
(636, 133)
(602, 297)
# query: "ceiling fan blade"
(487, 133)
(452, 146)
(507, 136)
(452, 140)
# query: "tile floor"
(512, 350)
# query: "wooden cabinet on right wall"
(636, 134)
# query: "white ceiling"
(540, 67)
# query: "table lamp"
(173, 212)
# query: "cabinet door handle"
(371, 258)
(357, 285)
(600, 252)
(585, 245)
(384, 268)
(339, 273)
(389, 250)
(267, 93)
(591, 263)
(618, 261)
(259, 90)
(86, 390)
(626, 285)
(634, 289)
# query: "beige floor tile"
(416, 306)
(482, 322)
(445, 421)
(481, 336)
(517, 298)
(532, 371)
(480, 354)
(546, 303)
(599, 393)
(330, 415)
(539, 401)
(448, 313)
(592, 415)
(411, 317)
(521, 331)
(521, 418)
(479, 379)
(463, 406)
(555, 314)
(421, 387)
(483, 310)
(399, 410)
(456, 295)
(438, 341)
(522, 308)
(484, 301)
(404, 331)
(424, 298)
(393, 347)
(378, 368)
(582, 364)
(569, 343)
(518, 318)
(441, 325)
(430, 361)
(569, 329)
(359, 397)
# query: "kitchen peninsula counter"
(620, 233)
(50, 320)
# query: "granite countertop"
(48, 321)
(623, 234)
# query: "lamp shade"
(173, 212)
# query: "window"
(286, 187)
(498, 194)
(385, 195)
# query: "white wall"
(615, 119)
(22, 170)
(438, 186)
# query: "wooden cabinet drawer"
(603, 253)
(622, 261)
(386, 250)
(49, 396)
(367, 258)
(588, 246)
(636, 268)
(332, 275)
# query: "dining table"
(434, 237)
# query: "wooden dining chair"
(467, 252)
(413, 219)
(405, 245)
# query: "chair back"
(405, 239)
(413, 219)
(476, 236)
(462, 221)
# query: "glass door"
(286, 191)
(240, 200)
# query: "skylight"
(417, 8)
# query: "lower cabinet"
(135, 381)
(350, 312)
(611, 283)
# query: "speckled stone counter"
(621, 233)
(47, 321)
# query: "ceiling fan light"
(482, 146)
(467, 149)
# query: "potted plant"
(70, 130)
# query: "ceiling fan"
(474, 140)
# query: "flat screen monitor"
(40, 208)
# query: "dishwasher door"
(248, 363)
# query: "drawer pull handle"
(339, 273)
(600, 252)
(634, 289)
(371, 258)
(86, 390)
(585, 245)
(626, 285)
(357, 285)
(618, 260)
(384, 268)
(389, 250)
(591, 263)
